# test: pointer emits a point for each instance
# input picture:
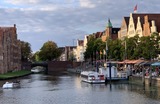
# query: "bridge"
(43, 64)
(51, 66)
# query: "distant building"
(110, 32)
(85, 41)
(67, 53)
(79, 52)
(10, 50)
(62, 56)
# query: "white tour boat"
(92, 77)
(9, 85)
(115, 74)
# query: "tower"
(109, 29)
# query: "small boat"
(36, 70)
(92, 77)
(9, 85)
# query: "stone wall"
(10, 50)
(154, 82)
(60, 66)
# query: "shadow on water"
(149, 91)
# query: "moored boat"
(92, 77)
(114, 75)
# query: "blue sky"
(62, 21)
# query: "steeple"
(109, 25)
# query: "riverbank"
(15, 74)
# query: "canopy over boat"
(155, 64)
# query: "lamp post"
(109, 63)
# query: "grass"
(14, 74)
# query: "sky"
(65, 21)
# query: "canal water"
(68, 89)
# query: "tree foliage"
(115, 49)
(25, 50)
(90, 48)
(49, 51)
(146, 47)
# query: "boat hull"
(92, 77)
(94, 82)
(116, 79)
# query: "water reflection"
(68, 89)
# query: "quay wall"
(60, 66)
(54, 66)
(154, 81)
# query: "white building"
(79, 51)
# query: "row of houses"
(143, 24)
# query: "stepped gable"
(126, 20)
(150, 17)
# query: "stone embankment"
(151, 81)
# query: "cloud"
(21, 2)
(64, 20)
(86, 3)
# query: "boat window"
(100, 75)
(91, 76)
(84, 76)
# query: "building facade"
(122, 33)
(110, 32)
(79, 52)
(143, 24)
(10, 50)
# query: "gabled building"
(143, 24)
(124, 28)
(10, 50)
(79, 52)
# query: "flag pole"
(109, 63)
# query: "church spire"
(109, 25)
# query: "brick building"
(110, 32)
(143, 24)
(10, 50)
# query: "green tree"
(35, 56)
(145, 47)
(115, 49)
(131, 47)
(98, 47)
(90, 48)
(49, 51)
(25, 51)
